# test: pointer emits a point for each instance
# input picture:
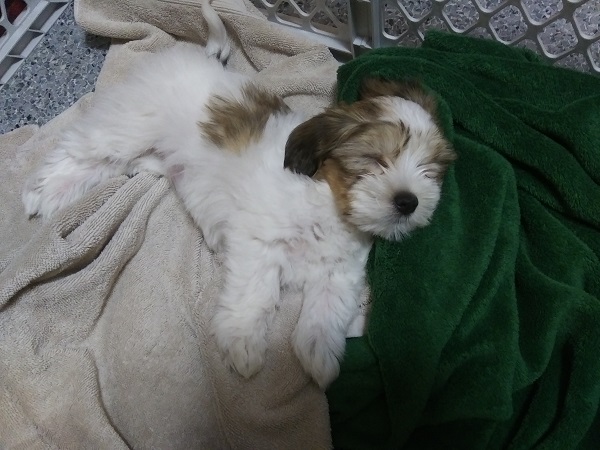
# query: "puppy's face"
(383, 156)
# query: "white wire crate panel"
(567, 32)
(564, 31)
(20, 34)
(325, 20)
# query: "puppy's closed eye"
(367, 165)
(379, 160)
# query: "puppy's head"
(383, 156)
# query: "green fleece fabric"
(485, 327)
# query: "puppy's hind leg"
(94, 150)
(61, 180)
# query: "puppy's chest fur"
(322, 247)
(297, 220)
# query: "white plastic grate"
(22, 24)
(567, 32)
(563, 31)
(325, 19)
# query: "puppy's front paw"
(245, 354)
(319, 352)
(242, 346)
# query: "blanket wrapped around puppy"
(485, 326)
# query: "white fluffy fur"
(372, 211)
(276, 228)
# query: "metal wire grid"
(566, 32)
(20, 36)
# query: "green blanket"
(485, 328)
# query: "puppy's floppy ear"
(302, 149)
(409, 89)
(313, 141)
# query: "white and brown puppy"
(222, 140)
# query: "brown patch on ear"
(311, 142)
(411, 90)
(302, 149)
(442, 155)
(339, 183)
(234, 124)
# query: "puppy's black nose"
(406, 203)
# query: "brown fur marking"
(360, 141)
(442, 155)
(372, 145)
(234, 124)
(312, 141)
(410, 90)
(339, 183)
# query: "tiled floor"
(63, 67)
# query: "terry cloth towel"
(485, 327)
(104, 309)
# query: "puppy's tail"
(217, 45)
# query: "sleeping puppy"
(373, 168)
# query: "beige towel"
(104, 309)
